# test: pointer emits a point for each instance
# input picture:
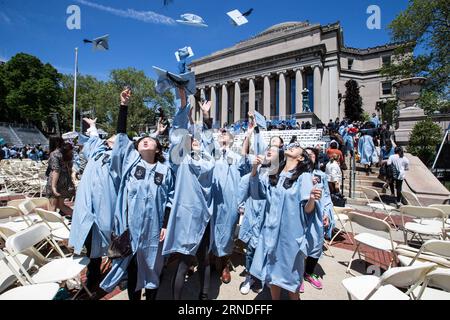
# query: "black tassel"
(247, 13)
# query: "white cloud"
(145, 16)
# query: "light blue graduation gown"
(145, 192)
(366, 148)
(227, 173)
(95, 200)
(315, 236)
(191, 210)
(282, 247)
(254, 210)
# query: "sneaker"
(302, 287)
(399, 204)
(246, 285)
(314, 280)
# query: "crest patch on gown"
(139, 173)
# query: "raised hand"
(125, 96)
(206, 106)
(161, 127)
(90, 122)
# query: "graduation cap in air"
(166, 2)
(239, 18)
(184, 53)
(70, 135)
(168, 80)
(260, 120)
(100, 43)
(191, 19)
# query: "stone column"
(213, 96)
(298, 90)
(224, 117)
(266, 95)
(237, 100)
(282, 95)
(334, 100)
(317, 91)
(202, 94)
(251, 95)
(325, 96)
(193, 103)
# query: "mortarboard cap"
(191, 19)
(260, 120)
(239, 18)
(70, 135)
(100, 43)
(184, 53)
(167, 80)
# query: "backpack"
(338, 200)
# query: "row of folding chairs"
(21, 214)
(378, 235)
(424, 274)
(47, 278)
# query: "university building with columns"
(268, 73)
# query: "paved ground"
(331, 270)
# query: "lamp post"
(75, 90)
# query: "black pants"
(204, 268)
(93, 273)
(150, 294)
(398, 188)
(310, 265)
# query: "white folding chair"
(9, 273)
(341, 216)
(27, 208)
(42, 291)
(375, 202)
(446, 209)
(435, 280)
(425, 224)
(370, 239)
(436, 251)
(369, 287)
(411, 198)
(58, 270)
(58, 225)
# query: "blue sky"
(39, 28)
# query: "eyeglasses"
(293, 145)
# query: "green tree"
(29, 90)
(353, 101)
(424, 138)
(103, 98)
(431, 102)
(423, 27)
(388, 111)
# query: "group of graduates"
(185, 204)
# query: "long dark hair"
(302, 167)
(67, 152)
(159, 155)
(399, 151)
(55, 142)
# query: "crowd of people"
(140, 202)
(33, 152)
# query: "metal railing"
(352, 177)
